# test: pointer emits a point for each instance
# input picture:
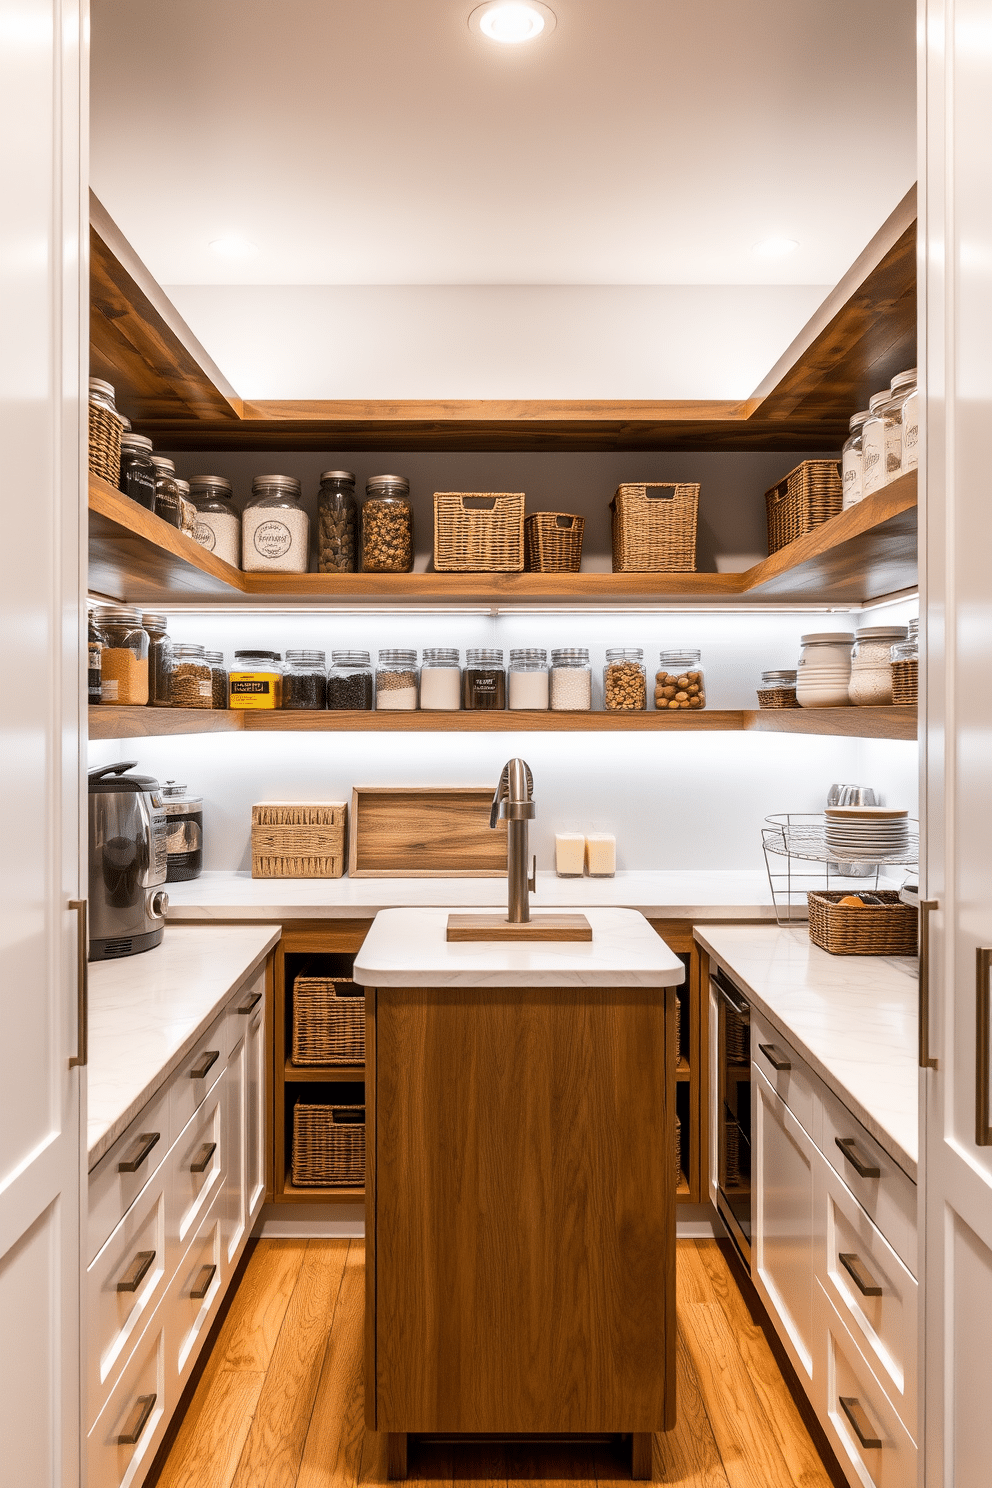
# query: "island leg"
(641, 1456)
(396, 1455)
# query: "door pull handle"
(81, 1055)
(201, 1286)
(131, 1435)
(926, 1059)
(983, 1018)
(859, 1274)
(775, 1057)
(860, 1424)
(205, 1063)
(137, 1271)
(850, 1151)
(146, 1142)
(201, 1161)
(250, 1002)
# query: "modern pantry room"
(496, 941)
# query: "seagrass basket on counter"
(479, 531)
(654, 527)
(328, 1146)
(303, 839)
(886, 929)
(553, 542)
(808, 496)
(328, 1021)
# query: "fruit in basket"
(850, 901)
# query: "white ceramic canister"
(871, 665)
(823, 672)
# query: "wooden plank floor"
(279, 1403)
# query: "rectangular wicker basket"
(654, 527)
(298, 840)
(328, 1021)
(479, 531)
(808, 496)
(887, 929)
(553, 542)
(328, 1146)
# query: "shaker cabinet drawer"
(200, 1070)
(121, 1445)
(122, 1173)
(784, 1070)
(198, 1165)
(193, 1298)
(883, 1190)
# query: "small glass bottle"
(571, 680)
(256, 679)
(168, 502)
(190, 682)
(441, 680)
(124, 659)
(218, 678)
(350, 684)
(275, 530)
(625, 680)
(387, 525)
(527, 680)
(396, 681)
(851, 460)
(337, 522)
(304, 681)
(137, 471)
(159, 662)
(218, 524)
(94, 671)
(484, 680)
(680, 682)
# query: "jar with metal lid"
(349, 682)
(95, 642)
(625, 680)
(680, 682)
(570, 680)
(218, 524)
(905, 389)
(337, 522)
(190, 682)
(137, 477)
(905, 667)
(304, 680)
(387, 525)
(218, 678)
(881, 442)
(441, 680)
(124, 659)
(159, 659)
(106, 426)
(275, 530)
(903, 384)
(256, 679)
(777, 690)
(528, 685)
(184, 832)
(823, 672)
(168, 502)
(396, 680)
(484, 680)
(851, 459)
(871, 665)
(187, 510)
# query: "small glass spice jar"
(190, 682)
(95, 642)
(168, 502)
(218, 678)
(124, 659)
(137, 478)
(625, 680)
(350, 683)
(484, 680)
(680, 682)
(159, 662)
(256, 680)
(870, 685)
(337, 522)
(777, 690)
(441, 680)
(851, 460)
(275, 530)
(396, 681)
(387, 525)
(218, 524)
(570, 680)
(527, 679)
(304, 680)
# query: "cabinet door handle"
(775, 1057)
(850, 1151)
(201, 1161)
(860, 1424)
(204, 1063)
(983, 1128)
(136, 1272)
(859, 1274)
(82, 984)
(146, 1142)
(201, 1286)
(143, 1407)
(926, 1059)
(251, 1002)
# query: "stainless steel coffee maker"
(128, 862)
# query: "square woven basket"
(654, 527)
(553, 542)
(328, 1021)
(887, 929)
(298, 840)
(808, 496)
(328, 1146)
(479, 531)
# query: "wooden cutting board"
(425, 832)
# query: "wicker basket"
(678, 1152)
(777, 697)
(328, 1021)
(553, 542)
(678, 1028)
(808, 496)
(479, 531)
(305, 840)
(737, 1038)
(732, 1151)
(906, 683)
(328, 1146)
(654, 528)
(887, 929)
(105, 443)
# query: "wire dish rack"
(797, 859)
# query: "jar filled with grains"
(304, 682)
(349, 681)
(396, 681)
(387, 525)
(625, 680)
(190, 682)
(95, 641)
(871, 665)
(256, 680)
(218, 678)
(680, 682)
(441, 680)
(275, 530)
(851, 460)
(187, 510)
(218, 524)
(124, 659)
(137, 471)
(527, 680)
(484, 680)
(337, 522)
(159, 654)
(571, 680)
(168, 502)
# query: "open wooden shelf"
(337, 1074)
(292, 1194)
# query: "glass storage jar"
(871, 665)
(218, 524)
(387, 525)
(396, 680)
(275, 530)
(124, 659)
(823, 672)
(851, 460)
(95, 642)
(337, 522)
(168, 502)
(625, 680)
(527, 680)
(256, 680)
(881, 442)
(349, 681)
(441, 680)
(183, 834)
(304, 680)
(187, 510)
(137, 478)
(218, 678)
(777, 690)
(484, 680)
(905, 667)
(570, 680)
(680, 681)
(190, 682)
(159, 651)
(904, 388)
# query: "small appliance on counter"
(184, 837)
(127, 862)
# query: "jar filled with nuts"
(625, 680)
(337, 522)
(191, 684)
(679, 682)
(304, 682)
(387, 525)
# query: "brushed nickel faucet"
(514, 802)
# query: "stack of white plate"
(866, 831)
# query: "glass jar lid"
(188, 649)
(570, 656)
(163, 466)
(135, 441)
(351, 658)
(287, 485)
(387, 485)
(258, 655)
(211, 485)
(401, 656)
(881, 633)
(484, 656)
(625, 653)
(679, 658)
(154, 622)
(305, 658)
(903, 381)
(103, 393)
(528, 656)
(782, 676)
(857, 419)
(119, 614)
(347, 476)
(182, 487)
(176, 798)
(828, 638)
(907, 650)
(441, 656)
(215, 658)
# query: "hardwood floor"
(279, 1403)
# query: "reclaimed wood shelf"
(292, 1194)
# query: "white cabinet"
(782, 1221)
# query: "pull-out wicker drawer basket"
(328, 1021)
(479, 531)
(808, 496)
(886, 929)
(553, 542)
(328, 1146)
(654, 527)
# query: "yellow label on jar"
(256, 690)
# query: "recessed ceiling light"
(512, 21)
(233, 246)
(776, 247)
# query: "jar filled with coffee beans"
(168, 502)
(137, 478)
(337, 522)
(304, 680)
(190, 682)
(159, 654)
(218, 677)
(387, 525)
(680, 681)
(349, 682)
(625, 680)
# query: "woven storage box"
(737, 1034)
(905, 683)
(654, 528)
(678, 1029)
(887, 929)
(479, 531)
(732, 1150)
(305, 840)
(678, 1151)
(808, 496)
(777, 697)
(328, 1146)
(553, 542)
(105, 443)
(328, 1021)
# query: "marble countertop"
(407, 948)
(852, 1018)
(147, 1012)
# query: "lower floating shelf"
(292, 1194)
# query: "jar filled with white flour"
(275, 530)
(570, 680)
(871, 665)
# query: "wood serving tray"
(496, 927)
(403, 831)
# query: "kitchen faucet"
(514, 802)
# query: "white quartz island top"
(407, 948)
(147, 1012)
(852, 1018)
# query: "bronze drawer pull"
(775, 1058)
(860, 1424)
(136, 1273)
(859, 1274)
(143, 1407)
(206, 1062)
(983, 1127)
(862, 1168)
(201, 1286)
(252, 1002)
(201, 1161)
(146, 1142)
